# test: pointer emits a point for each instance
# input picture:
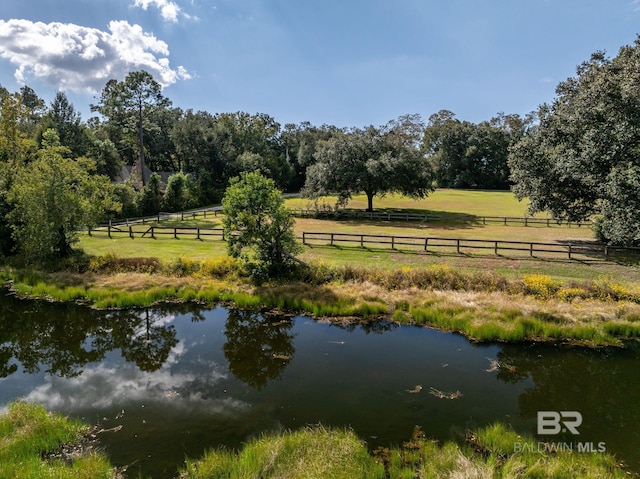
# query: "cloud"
(101, 386)
(169, 10)
(78, 58)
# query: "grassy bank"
(34, 443)
(492, 452)
(483, 306)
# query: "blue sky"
(341, 62)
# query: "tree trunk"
(62, 248)
(369, 201)
(141, 141)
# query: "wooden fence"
(132, 231)
(463, 246)
(183, 216)
(427, 218)
(416, 243)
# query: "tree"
(584, 155)
(178, 193)
(53, 198)
(258, 226)
(300, 143)
(150, 197)
(468, 155)
(373, 160)
(130, 105)
(63, 118)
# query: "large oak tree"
(372, 160)
(583, 158)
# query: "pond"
(167, 383)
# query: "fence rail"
(133, 230)
(460, 245)
(428, 218)
(416, 243)
(183, 216)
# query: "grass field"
(444, 202)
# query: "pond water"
(169, 383)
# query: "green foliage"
(53, 198)
(375, 161)
(583, 157)
(258, 226)
(468, 155)
(178, 193)
(149, 199)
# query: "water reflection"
(143, 339)
(190, 380)
(62, 339)
(258, 347)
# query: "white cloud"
(169, 10)
(74, 57)
(101, 386)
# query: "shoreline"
(483, 308)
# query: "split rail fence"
(427, 218)
(415, 243)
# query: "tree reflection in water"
(602, 384)
(142, 341)
(258, 347)
(60, 339)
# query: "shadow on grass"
(454, 254)
(441, 219)
(594, 250)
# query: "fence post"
(606, 251)
(495, 248)
(526, 221)
(531, 249)
(361, 241)
(304, 238)
(505, 221)
(426, 243)
(331, 239)
(198, 233)
(130, 232)
(175, 233)
(153, 236)
(569, 251)
(393, 242)
(89, 229)
(458, 246)
(109, 229)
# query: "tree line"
(576, 157)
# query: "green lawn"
(441, 201)
(449, 202)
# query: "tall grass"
(30, 446)
(323, 290)
(495, 451)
